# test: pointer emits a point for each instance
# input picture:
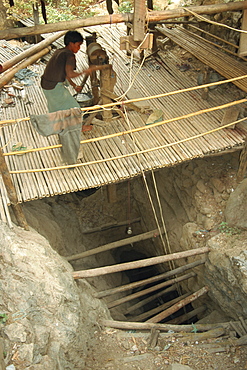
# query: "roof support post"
(139, 20)
(17, 209)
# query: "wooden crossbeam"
(138, 264)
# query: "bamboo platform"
(134, 152)
(213, 57)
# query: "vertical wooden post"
(243, 163)
(139, 20)
(242, 50)
(17, 209)
(36, 20)
(107, 83)
(112, 193)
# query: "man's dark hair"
(72, 36)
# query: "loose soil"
(117, 350)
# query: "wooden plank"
(230, 115)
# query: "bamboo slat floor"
(156, 76)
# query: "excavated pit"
(52, 320)
(192, 198)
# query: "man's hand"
(78, 89)
(93, 68)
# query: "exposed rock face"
(226, 273)
(196, 198)
(236, 208)
(50, 318)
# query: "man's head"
(73, 37)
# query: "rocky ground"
(117, 350)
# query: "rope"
(130, 154)
(95, 107)
(146, 185)
(138, 129)
(213, 22)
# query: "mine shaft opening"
(194, 196)
(142, 308)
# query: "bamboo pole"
(130, 297)
(17, 209)
(153, 279)
(117, 244)
(83, 164)
(153, 16)
(10, 74)
(176, 307)
(32, 50)
(138, 264)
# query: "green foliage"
(125, 7)
(56, 12)
(226, 229)
(3, 318)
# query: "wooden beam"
(176, 307)
(153, 16)
(243, 163)
(125, 325)
(111, 225)
(157, 309)
(17, 209)
(187, 316)
(113, 245)
(143, 302)
(32, 50)
(153, 279)
(107, 82)
(138, 264)
(130, 297)
(10, 74)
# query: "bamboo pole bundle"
(32, 50)
(176, 307)
(138, 264)
(10, 74)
